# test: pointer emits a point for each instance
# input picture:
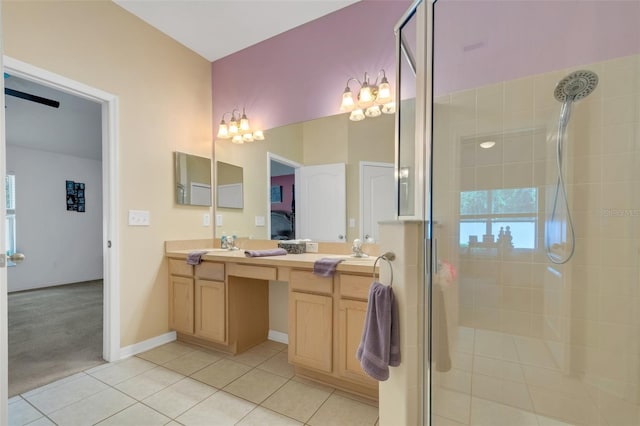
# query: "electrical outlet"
(311, 247)
(206, 219)
(139, 218)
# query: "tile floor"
(178, 384)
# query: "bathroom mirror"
(193, 180)
(367, 144)
(229, 183)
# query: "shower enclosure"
(535, 214)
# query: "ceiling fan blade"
(32, 98)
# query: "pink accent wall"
(478, 43)
(286, 181)
(300, 75)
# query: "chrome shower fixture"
(573, 87)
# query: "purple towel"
(195, 257)
(326, 266)
(380, 345)
(268, 252)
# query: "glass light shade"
(258, 135)
(233, 127)
(384, 93)
(248, 137)
(356, 115)
(373, 111)
(347, 101)
(365, 96)
(389, 108)
(244, 123)
(237, 139)
(223, 131)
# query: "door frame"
(111, 288)
(285, 161)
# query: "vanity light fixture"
(238, 129)
(373, 99)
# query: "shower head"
(576, 85)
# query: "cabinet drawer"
(210, 271)
(251, 271)
(180, 267)
(355, 286)
(308, 282)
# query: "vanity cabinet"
(311, 321)
(181, 304)
(326, 319)
(210, 310)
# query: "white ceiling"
(217, 28)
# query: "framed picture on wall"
(276, 193)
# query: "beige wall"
(164, 93)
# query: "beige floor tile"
(279, 365)
(313, 384)
(136, 415)
(57, 397)
(221, 373)
(149, 382)
(60, 382)
(120, 371)
(488, 413)
(166, 353)
(547, 421)
(297, 400)
(21, 412)
(93, 409)
(272, 344)
(42, 421)
(220, 408)
(263, 417)
(358, 398)
(193, 361)
(256, 385)
(179, 397)
(338, 410)
(255, 356)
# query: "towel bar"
(389, 257)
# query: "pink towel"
(380, 345)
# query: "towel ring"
(388, 256)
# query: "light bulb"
(365, 96)
(244, 122)
(258, 135)
(356, 115)
(237, 139)
(233, 127)
(384, 92)
(389, 108)
(247, 137)
(347, 101)
(223, 131)
(373, 111)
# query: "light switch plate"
(218, 220)
(139, 218)
(311, 247)
(206, 219)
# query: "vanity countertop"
(303, 260)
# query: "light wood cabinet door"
(310, 331)
(210, 314)
(181, 304)
(350, 325)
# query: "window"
(484, 214)
(10, 187)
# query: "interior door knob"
(16, 257)
(341, 237)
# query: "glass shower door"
(536, 281)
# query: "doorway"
(282, 197)
(108, 136)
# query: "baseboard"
(278, 336)
(146, 345)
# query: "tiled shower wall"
(581, 319)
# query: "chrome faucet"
(357, 248)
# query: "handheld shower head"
(576, 85)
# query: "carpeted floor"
(53, 333)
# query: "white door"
(321, 207)
(377, 198)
